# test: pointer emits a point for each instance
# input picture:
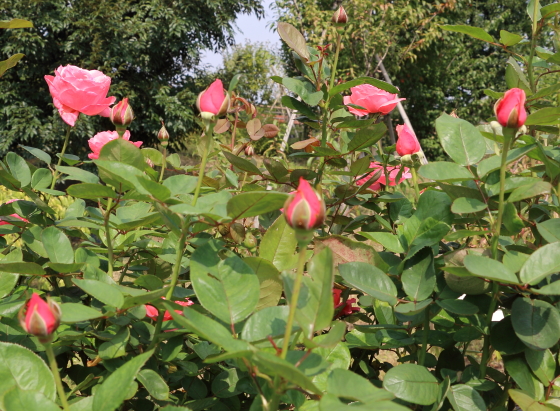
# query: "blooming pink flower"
(510, 109)
(382, 181)
(3, 222)
(97, 142)
(407, 142)
(75, 90)
(305, 209)
(347, 309)
(152, 312)
(39, 318)
(373, 99)
(214, 99)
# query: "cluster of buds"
(163, 136)
(305, 210)
(40, 318)
(121, 116)
(510, 109)
(213, 102)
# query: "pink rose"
(510, 109)
(75, 90)
(305, 209)
(2, 222)
(407, 142)
(100, 139)
(214, 99)
(373, 99)
(347, 309)
(152, 311)
(393, 172)
(40, 318)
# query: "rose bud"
(214, 101)
(372, 99)
(163, 135)
(305, 209)
(407, 142)
(122, 114)
(249, 151)
(339, 18)
(40, 318)
(510, 109)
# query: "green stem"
(163, 164)
(209, 134)
(157, 329)
(486, 347)
(532, 52)
(274, 402)
(337, 52)
(415, 183)
(108, 237)
(294, 301)
(57, 380)
(64, 146)
(177, 267)
(424, 349)
(325, 120)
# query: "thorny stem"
(57, 380)
(64, 146)
(209, 136)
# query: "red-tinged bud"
(407, 142)
(163, 135)
(213, 102)
(40, 318)
(510, 109)
(249, 151)
(122, 115)
(340, 18)
(305, 209)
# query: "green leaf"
(445, 171)
(111, 394)
(412, 383)
(511, 219)
(269, 280)
(9, 280)
(550, 10)
(485, 267)
(41, 179)
(40, 154)
(465, 205)
(57, 246)
(10, 62)
(515, 77)
(518, 369)
(104, 292)
(227, 288)
(315, 306)
(75, 313)
(504, 339)
(460, 139)
(493, 163)
(366, 137)
(19, 168)
(278, 245)
(123, 151)
(15, 24)
(294, 39)
(370, 280)
(459, 307)
(304, 89)
(543, 365)
(536, 323)
(302, 108)
(349, 385)
(143, 298)
(24, 370)
(270, 322)
(528, 191)
(550, 230)
(525, 402)
(155, 385)
(364, 80)
(475, 32)
(91, 191)
(465, 398)
(150, 282)
(180, 184)
(255, 203)
(419, 276)
(241, 163)
(24, 268)
(116, 347)
(158, 191)
(544, 261)
(18, 400)
(224, 385)
(78, 174)
(387, 240)
(509, 39)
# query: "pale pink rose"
(75, 90)
(373, 99)
(97, 142)
(382, 181)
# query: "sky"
(250, 28)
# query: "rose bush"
(177, 287)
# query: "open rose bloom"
(75, 90)
(348, 308)
(372, 99)
(97, 142)
(393, 172)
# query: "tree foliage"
(150, 48)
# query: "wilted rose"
(75, 90)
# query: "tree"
(150, 48)
(435, 70)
